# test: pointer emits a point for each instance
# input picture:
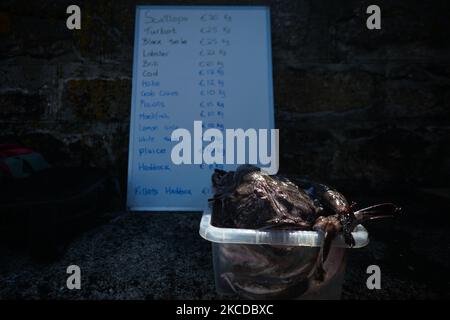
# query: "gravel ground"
(161, 256)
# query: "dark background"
(367, 107)
(364, 110)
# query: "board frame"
(135, 89)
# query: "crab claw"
(329, 226)
(349, 240)
(379, 211)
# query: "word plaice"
(208, 64)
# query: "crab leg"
(384, 210)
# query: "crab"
(248, 198)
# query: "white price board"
(193, 63)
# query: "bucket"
(276, 264)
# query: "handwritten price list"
(188, 66)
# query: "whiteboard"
(206, 63)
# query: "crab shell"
(255, 200)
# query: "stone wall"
(353, 106)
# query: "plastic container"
(277, 264)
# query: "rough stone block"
(317, 90)
(98, 99)
(19, 106)
(413, 30)
(35, 30)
